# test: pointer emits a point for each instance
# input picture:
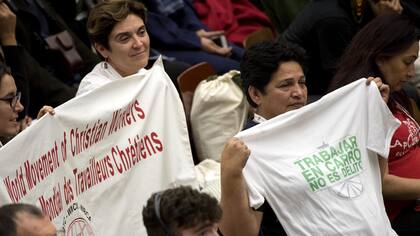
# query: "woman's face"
(8, 116)
(286, 91)
(399, 69)
(128, 46)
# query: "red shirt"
(404, 157)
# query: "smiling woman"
(117, 31)
(10, 104)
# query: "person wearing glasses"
(10, 105)
(181, 211)
(21, 219)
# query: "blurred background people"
(324, 28)
(176, 31)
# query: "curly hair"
(181, 207)
(261, 61)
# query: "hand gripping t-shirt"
(318, 166)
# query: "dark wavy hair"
(181, 207)
(4, 70)
(261, 61)
(384, 37)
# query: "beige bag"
(218, 112)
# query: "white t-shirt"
(317, 166)
(100, 76)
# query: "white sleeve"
(381, 123)
(255, 190)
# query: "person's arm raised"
(238, 218)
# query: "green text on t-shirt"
(331, 164)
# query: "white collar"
(112, 73)
(258, 119)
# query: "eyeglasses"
(12, 100)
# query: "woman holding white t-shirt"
(388, 47)
(274, 83)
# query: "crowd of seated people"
(329, 44)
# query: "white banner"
(92, 166)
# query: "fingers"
(239, 146)
(44, 110)
(5, 11)
(209, 34)
(235, 154)
(383, 88)
(224, 51)
(396, 6)
(7, 25)
(376, 80)
(25, 122)
(209, 46)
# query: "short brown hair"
(105, 15)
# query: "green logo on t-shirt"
(331, 164)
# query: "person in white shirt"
(117, 31)
(10, 105)
(274, 83)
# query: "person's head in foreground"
(10, 104)
(387, 47)
(118, 32)
(273, 78)
(24, 220)
(181, 211)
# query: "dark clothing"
(173, 68)
(270, 225)
(282, 13)
(45, 73)
(324, 28)
(407, 222)
(250, 123)
(16, 63)
(175, 36)
(38, 86)
(412, 9)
